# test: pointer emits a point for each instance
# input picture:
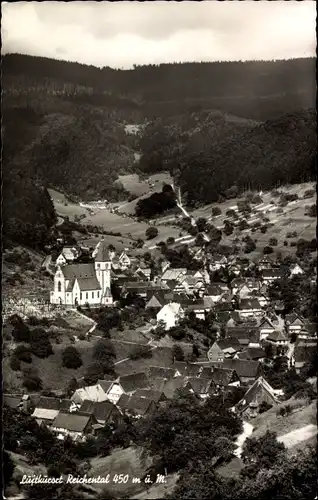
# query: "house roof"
(181, 366)
(45, 414)
(244, 368)
(305, 351)
(173, 274)
(87, 284)
(249, 303)
(135, 404)
(71, 421)
(291, 318)
(243, 333)
(199, 385)
(172, 308)
(12, 401)
(134, 381)
(266, 322)
(277, 336)
(251, 393)
(272, 273)
(229, 342)
(78, 271)
(92, 392)
(171, 386)
(105, 384)
(156, 301)
(253, 353)
(160, 372)
(214, 290)
(48, 403)
(150, 394)
(101, 410)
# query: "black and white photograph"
(159, 250)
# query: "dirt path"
(247, 431)
(298, 436)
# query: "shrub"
(71, 358)
(15, 363)
(291, 234)
(94, 372)
(267, 250)
(216, 211)
(20, 332)
(23, 353)
(177, 353)
(170, 240)
(232, 192)
(273, 242)
(244, 206)
(250, 246)
(151, 232)
(42, 348)
(103, 350)
(82, 336)
(311, 211)
(309, 193)
(293, 243)
(31, 381)
(263, 229)
(285, 243)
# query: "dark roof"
(250, 303)
(243, 333)
(181, 366)
(244, 368)
(65, 404)
(305, 351)
(223, 306)
(122, 403)
(272, 273)
(150, 394)
(79, 271)
(193, 369)
(134, 381)
(171, 386)
(103, 254)
(229, 342)
(135, 404)
(253, 353)
(157, 301)
(291, 318)
(160, 372)
(101, 410)
(71, 421)
(276, 336)
(105, 384)
(86, 284)
(48, 403)
(199, 385)
(252, 394)
(12, 401)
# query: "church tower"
(102, 258)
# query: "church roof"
(87, 284)
(78, 271)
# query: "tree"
(141, 351)
(195, 351)
(250, 246)
(273, 242)
(15, 363)
(103, 350)
(93, 373)
(20, 332)
(8, 469)
(311, 211)
(23, 353)
(264, 451)
(71, 358)
(72, 386)
(201, 224)
(151, 232)
(216, 211)
(177, 353)
(170, 240)
(267, 250)
(32, 382)
(42, 348)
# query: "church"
(80, 284)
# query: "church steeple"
(102, 258)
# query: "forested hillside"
(64, 126)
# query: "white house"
(265, 328)
(249, 307)
(96, 393)
(67, 255)
(295, 270)
(170, 314)
(80, 284)
(124, 260)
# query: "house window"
(86, 295)
(98, 295)
(98, 266)
(59, 286)
(81, 296)
(92, 295)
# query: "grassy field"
(162, 356)
(122, 461)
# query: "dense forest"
(64, 124)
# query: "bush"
(267, 250)
(232, 192)
(285, 243)
(71, 358)
(103, 351)
(151, 232)
(177, 353)
(170, 240)
(31, 381)
(250, 246)
(94, 372)
(23, 353)
(20, 332)
(309, 193)
(216, 211)
(293, 243)
(15, 364)
(311, 211)
(42, 348)
(273, 242)
(292, 234)
(263, 229)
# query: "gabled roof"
(253, 353)
(292, 318)
(277, 336)
(87, 284)
(173, 274)
(131, 383)
(266, 322)
(78, 271)
(156, 301)
(160, 372)
(214, 290)
(171, 386)
(229, 342)
(150, 394)
(251, 393)
(181, 366)
(272, 273)
(135, 404)
(71, 421)
(244, 368)
(249, 303)
(105, 385)
(12, 401)
(48, 403)
(305, 351)
(199, 385)
(172, 308)
(101, 410)
(45, 414)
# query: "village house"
(215, 353)
(48, 408)
(67, 255)
(305, 352)
(144, 269)
(214, 292)
(170, 314)
(270, 275)
(198, 308)
(142, 288)
(294, 323)
(20, 402)
(259, 392)
(157, 301)
(277, 338)
(295, 270)
(155, 372)
(252, 353)
(103, 411)
(136, 406)
(246, 370)
(245, 334)
(267, 262)
(156, 396)
(249, 308)
(173, 274)
(124, 261)
(80, 284)
(216, 262)
(95, 393)
(265, 328)
(75, 425)
(200, 387)
(127, 384)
